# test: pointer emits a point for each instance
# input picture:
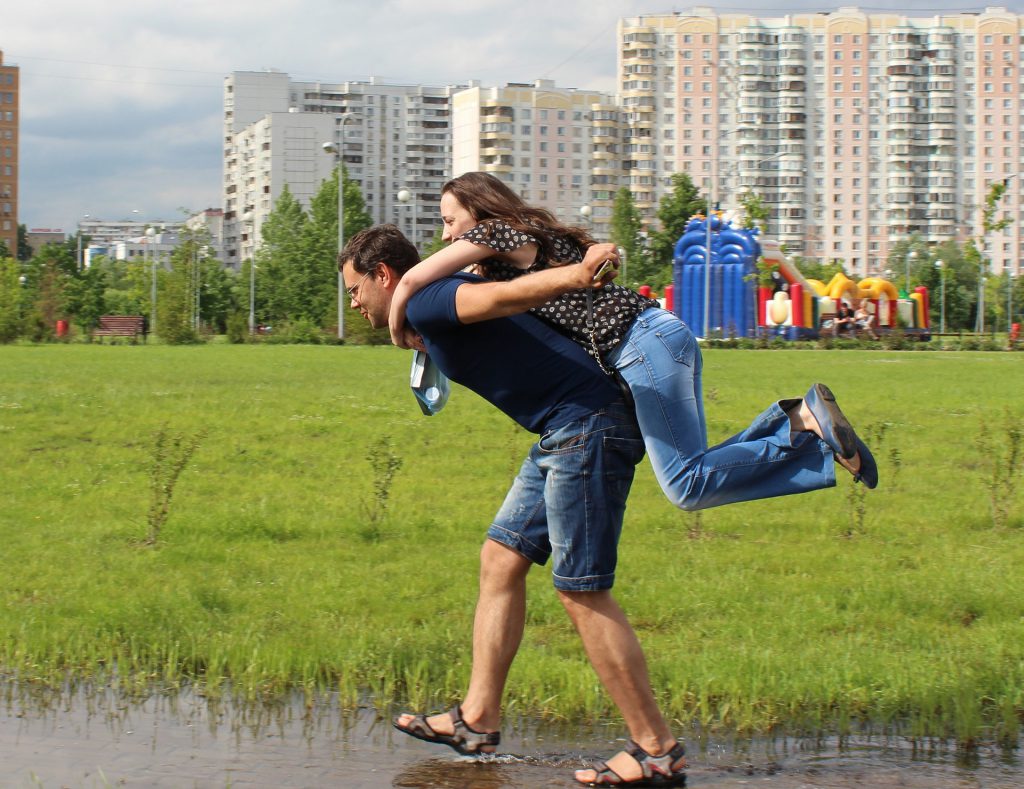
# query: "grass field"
(275, 570)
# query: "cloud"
(121, 101)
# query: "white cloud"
(121, 101)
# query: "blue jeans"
(569, 498)
(661, 363)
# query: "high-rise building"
(558, 148)
(858, 130)
(9, 120)
(393, 139)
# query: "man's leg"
(616, 655)
(497, 632)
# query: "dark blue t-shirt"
(540, 378)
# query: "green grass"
(795, 612)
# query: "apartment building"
(395, 141)
(859, 130)
(558, 148)
(126, 239)
(9, 121)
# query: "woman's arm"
(482, 301)
(444, 263)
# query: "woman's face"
(457, 219)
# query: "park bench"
(121, 326)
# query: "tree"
(436, 244)
(10, 300)
(755, 212)
(85, 297)
(126, 285)
(625, 231)
(24, 250)
(812, 269)
(279, 261)
(217, 301)
(989, 224)
(184, 289)
(322, 236)
(676, 209)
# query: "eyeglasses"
(355, 288)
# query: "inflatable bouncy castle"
(793, 307)
(731, 268)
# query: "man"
(843, 320)
(566, 504)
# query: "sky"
(121, 101)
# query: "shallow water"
(97, 739)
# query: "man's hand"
(410, 339)
(482, 301)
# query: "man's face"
(457, 219)
(367, 294)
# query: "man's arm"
(482, 301)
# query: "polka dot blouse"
(614, 307)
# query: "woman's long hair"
(487, 197)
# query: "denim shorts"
(570, 496)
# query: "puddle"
(97, 739)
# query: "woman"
(864, 320)
(653, 352)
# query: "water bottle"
(429, 384)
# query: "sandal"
(465, 740)
(656, 770)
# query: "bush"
(238, 328)
(301, 331)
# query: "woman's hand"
(600, 264)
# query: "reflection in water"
(95, 738)
(504, 771)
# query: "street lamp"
(250, 223)
(405, 196)
(78, 261)
(150, 235)
(942, 302)
(1009, 300)
(339, 149)
(912, 255)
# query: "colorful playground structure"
(793, 307)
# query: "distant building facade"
(38, 237)
(558, 148)
(9, 124)
(858, 130)
(391, 137)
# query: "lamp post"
(250, 223)
(707, 250)
(405, 196)
(1009, 300)
(911, 255)
(78, 260)
(942, 301)
(339, 149)
(150, 235)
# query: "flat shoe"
(835, 427)
(868, 473)
(463, 739)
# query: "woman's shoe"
(868, 472)
(836, 430)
